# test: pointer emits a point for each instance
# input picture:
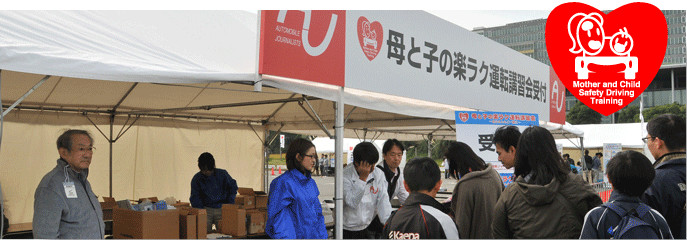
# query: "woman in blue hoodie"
(294, 210)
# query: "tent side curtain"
(156, 157)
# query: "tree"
(673, 108)
(629, 114)
(581, 114)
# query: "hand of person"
(364, 169)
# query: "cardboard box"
(233, 220)
(107, 206)
(255, 221)
(162, 224)
(188, 225)
(260, 197)
(180, 204)
(201, 221)
(245, 202)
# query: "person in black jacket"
(421, 216)
(666, 142)
(630, 173)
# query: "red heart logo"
(370, 36)
(464, 117)
(606, 61)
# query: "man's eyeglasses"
(82, 149)
(646, 139)
(311, 156)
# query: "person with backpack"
(625, 216)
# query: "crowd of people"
(545, 200)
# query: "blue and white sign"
(497, 118)
(476, 129)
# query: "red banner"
(557, 99)
(305, 45)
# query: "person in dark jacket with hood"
(421, 216)
(630, 173)
(666, 142)
(474, 196)
(293, 208)
(546, 200)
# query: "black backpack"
(632, 225)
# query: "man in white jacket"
(365, 194)
(392, 152)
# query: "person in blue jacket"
(210, 188)
(293, 209)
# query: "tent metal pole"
(111, 141)
(584, 164)
(338, 196)
(25, 95)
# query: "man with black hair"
(666, 142)
(421, 216)
(365, 194)
(392, 152)
(210, 188)
(506, 141)
(630, 173)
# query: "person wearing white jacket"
(365, 194)
(392, 152)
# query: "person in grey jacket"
(64, 203)
(474, 196)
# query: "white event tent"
(157, 88)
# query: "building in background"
(668, 86)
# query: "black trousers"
(373, 231)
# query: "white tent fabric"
(595, 135)
(127, 45)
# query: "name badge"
(69, 189)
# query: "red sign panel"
(305, 45)
(557, 99)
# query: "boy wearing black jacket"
(630, 173)
(421, 216)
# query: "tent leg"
(111, 141)
(339, 127)
(265, 163)
(584, 164)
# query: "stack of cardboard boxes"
(247, 216)
(184, 222)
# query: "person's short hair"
(670, 128)
(421, 174)
(507, 136)
(630, 173)
(365, 152)
(586, 152)
(389, 144)
(65, 140)
(599, 154)
(206, 161)
(297, 146)
(566, 155)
